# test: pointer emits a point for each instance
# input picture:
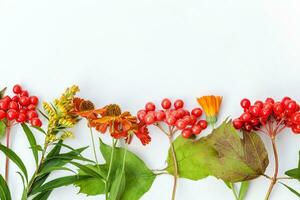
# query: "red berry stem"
(175, 165)
(274, 178)
(8, 128)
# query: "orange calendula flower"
(111, 118)
(211, 106)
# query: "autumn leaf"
(223, 154)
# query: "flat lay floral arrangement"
(232, 152)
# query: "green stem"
(31, 182)
(7, 145)
(175, 165)
(94, 147)
(110, 168)
(233, 191)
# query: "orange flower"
(211, 106)
(110, 117)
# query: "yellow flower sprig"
(60, 115)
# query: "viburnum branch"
(274, 178)
(175, 166)
(8, 128)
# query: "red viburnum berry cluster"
(20, 108)
(280, 114)
(188, 122)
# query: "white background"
(133, 51)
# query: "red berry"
(245, 103)
(17, 89)
(24, 101)
(245, 117)
(248, 127)
(296, 129)
(285, 101)
(2, 114)
(34, 100)
(141, 115)
(270, 100)
(197, 112)
(21, 118)
(178, 104)
(265, 113)
(202, 124)
(160, 115)
(180, 124)
(180, 113)
(150, 107)
(36, 122)
(254, 121)
(237, 123)
(254, 110)
(32, 114)
(292, 105)
(278, 108)
(187, 133)
(171, 120)
(24, 93)
(149, 118)
(11, 114)
(3, 105)
(193, 120)
(31, 107)
(295, 118)
(22, 110)
(6, 98)
(13, 105)
(187, 119)
(166, 103)
(196, 129)
(15, 99)
(260, 104)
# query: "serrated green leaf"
(223, 154)
(4, 190)
(15, 158)
(32, 142)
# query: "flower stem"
(94, 147)
(110, 168)
(175, 166)
(233, 191)
(274, 178)
(7, 145)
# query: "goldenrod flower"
(211, 106)
(60, 115)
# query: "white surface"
(134, 51)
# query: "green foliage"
(223, 154)
(2, 129)
(130, 182)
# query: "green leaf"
(223, 154)
(32, 142)
(59, 182)
(243, 190)
(292, 190)
(2, 129)
(138, 177)
(15, 158)
(294, 173)
(92, 185)
(4, 190)
(118, 185)
(88, 170)
(42, 195)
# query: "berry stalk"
(274, 178)
(175, 165)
